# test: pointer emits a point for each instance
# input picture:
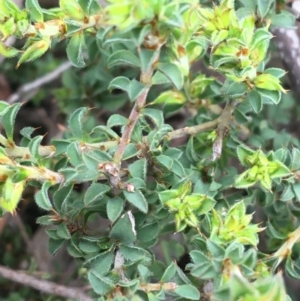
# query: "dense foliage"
(146, 184)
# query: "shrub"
(206, 186)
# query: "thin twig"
(44, 285)
(169, 286)
(32, 87)
(24, 234)
(192, 130)
(24, 152)
(49, 150)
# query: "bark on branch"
(44, 285)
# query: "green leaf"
(134, 254)
(114, 208)
(281, 171)
(71, 9)
(124, 230)
(255, 101)
(172, 72)
(296, 189)
(63, 231)
(90, 7)
(165, 161)
(239, 287)
(44, 220)
(60, 146)
(105, 129)
(73, 249)
(74, 154)
(242, 181)
(243, 152)
(95, 192)
(169, 273)
(159, 79)
(138, 169)
(35, 10)
(147, 57)
(171, 98)
(147, 232)
(205, 205)
(268, 82)
(287, 194)
(7, 51)
(75, 122)
(20, 175)
(123, 57)
(188, 291)
(135, 89)
(292, 267)
(75, 50)
(117, 120)
(155, 115)
(269, 96)
(178, 169)
(277, 72)
(3, 106)
(100, 284)
(93, 158)
(198, 257)
(88, 247)
(295, 159)
(34, 51)
(54, 245)
(137, 199)
(234, 89)
(272, 232)
(144, 273)
(7, 28)
(283, 19)
(52, 233)
(204, 271)
(61, 197)
(120, 82)
(27, 132)
(130, 151)
(131, 285)
(34, 146)
(215, 249)
(168, 195)
(219, 36)
(101, 263)
(42, 198)
(8, 120)
(264, 7)
(235, 252)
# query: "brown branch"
(30, 89)
(24, 234)
(133, 118)
(145, 78)
(222, 129)
(44, 285)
